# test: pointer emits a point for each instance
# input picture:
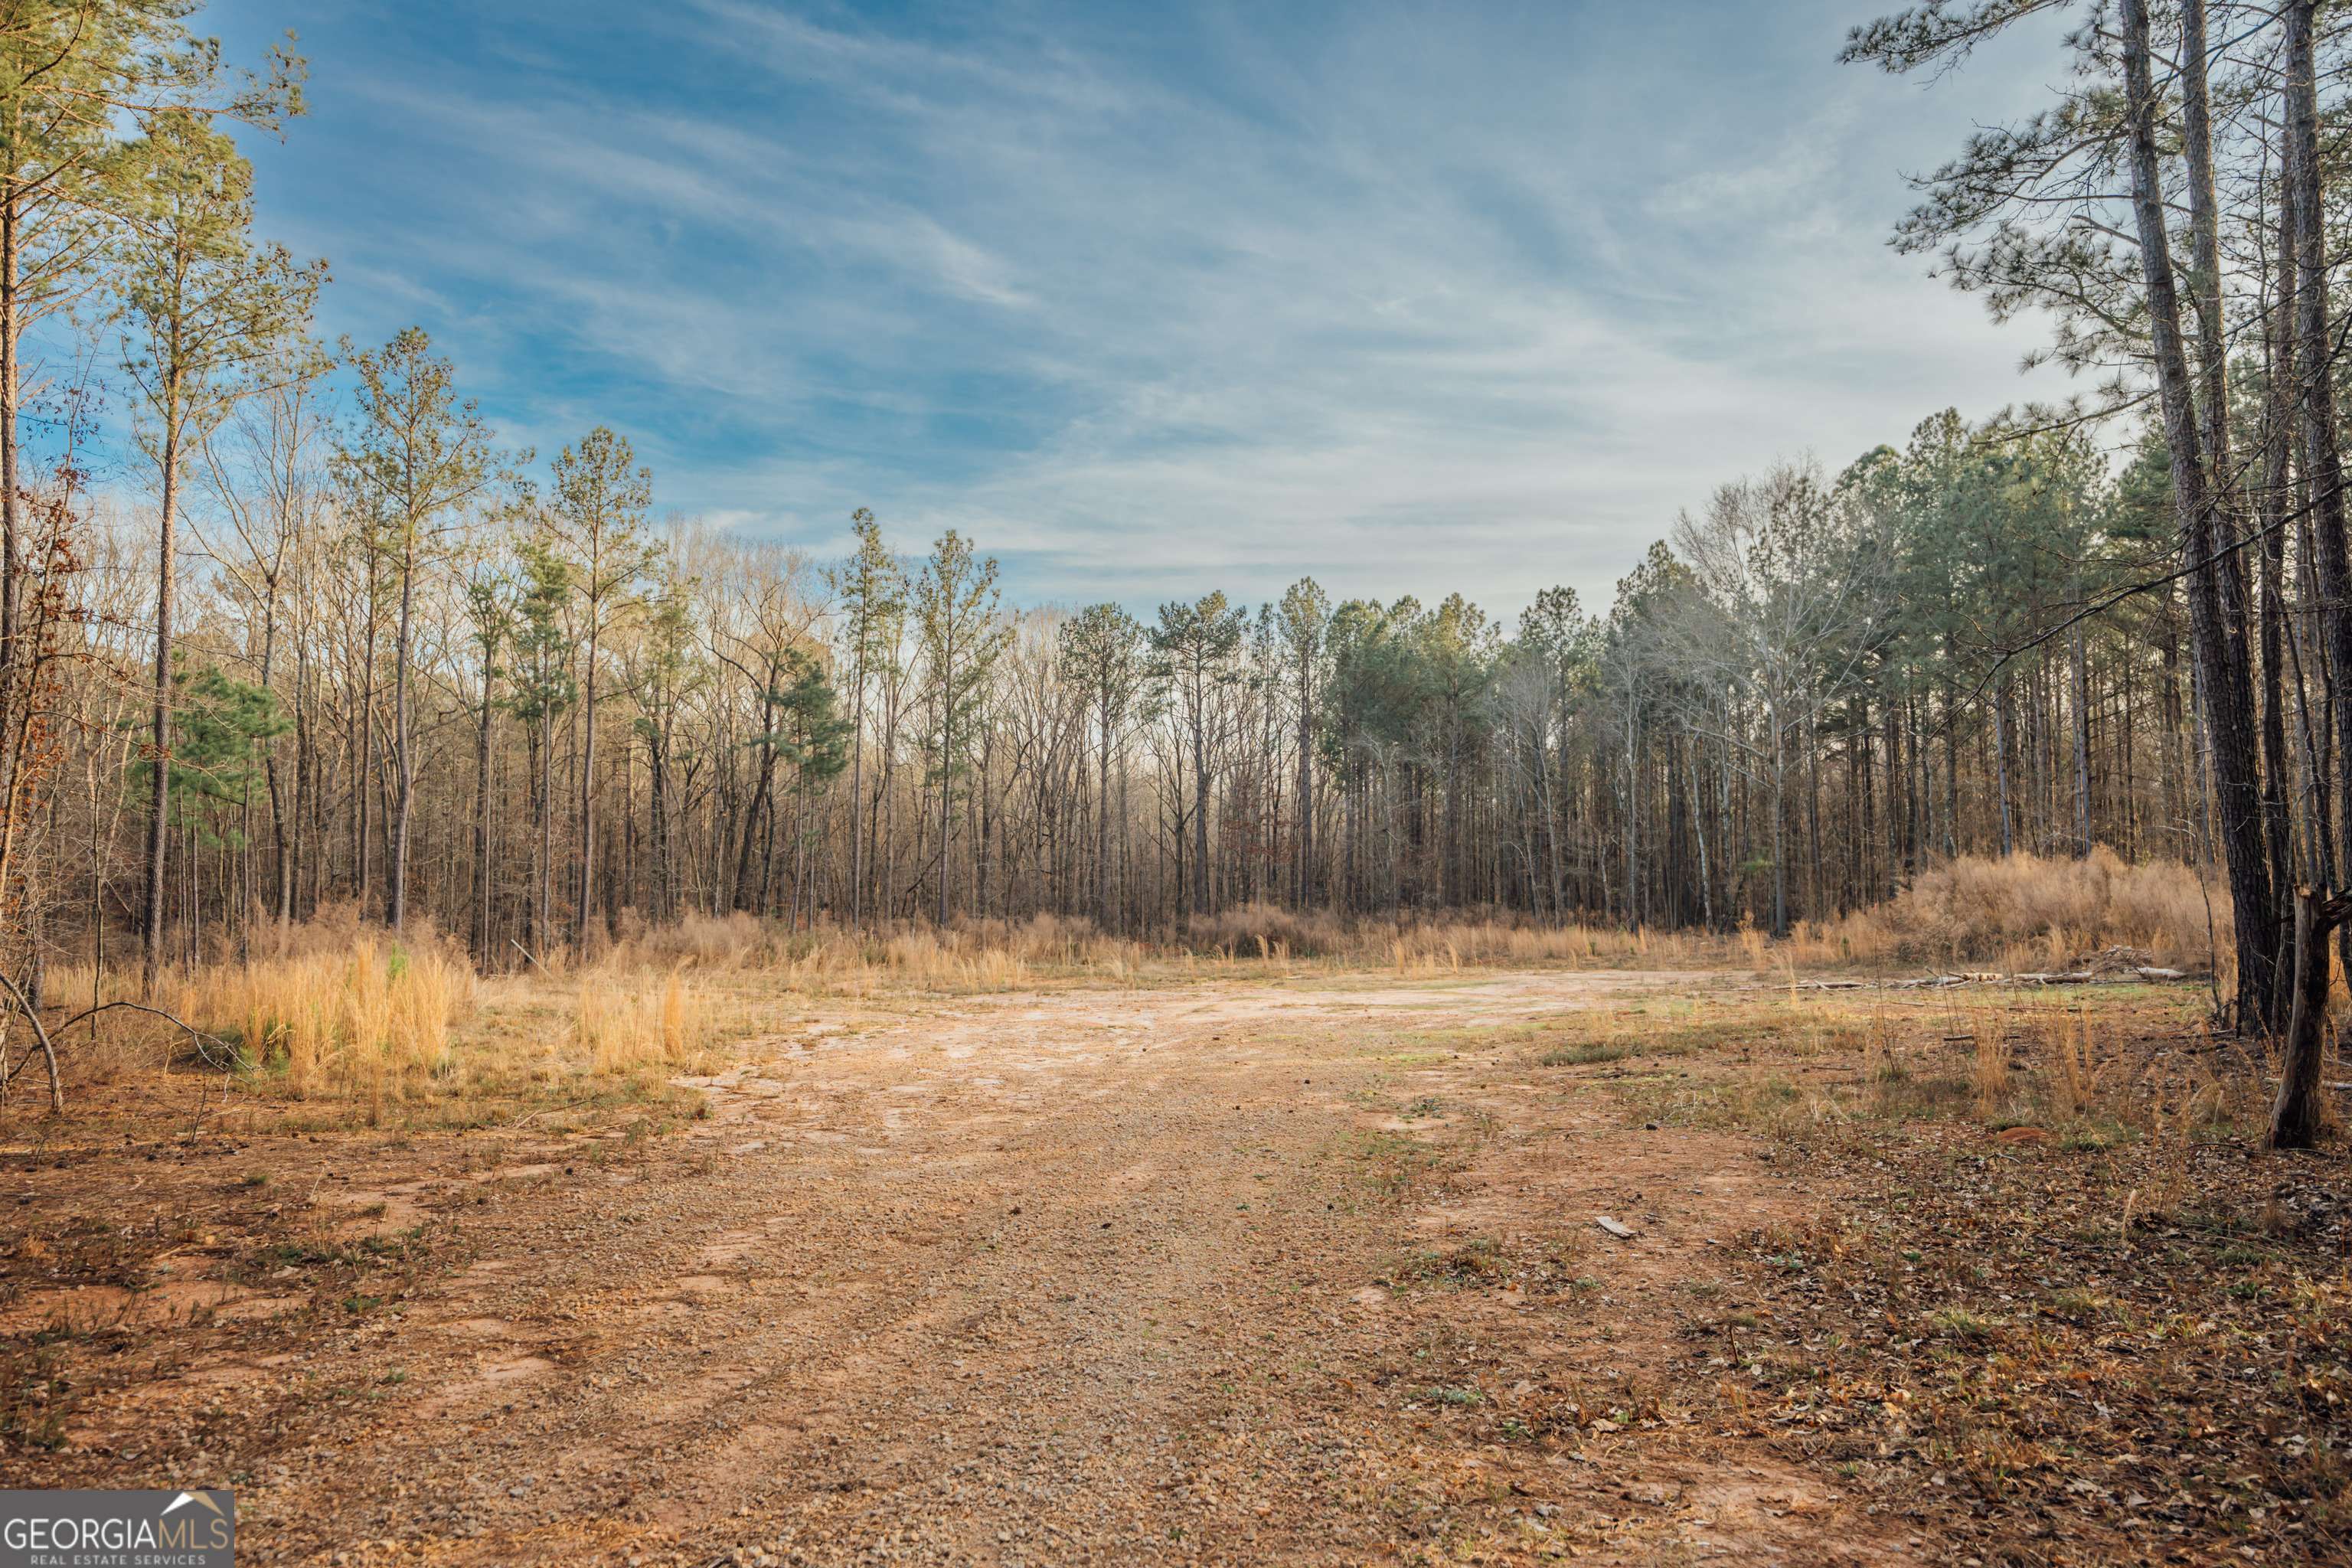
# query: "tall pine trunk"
(2314, 359)
(1303, 831)
(2279, 418)
(404, 762)
(588, 785)
(160, 734)
(2228, 697)
(482, 827)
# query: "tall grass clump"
(698, 940)
(1988, 1073)
(2027, 912)
(620, 1028)
(970, 954)
(371, 1021)
(1439, 942)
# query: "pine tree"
(872, 588)
(1101, 649)
(203, 307)
(1195, 643)
(597, 516)
(957, 625)
(418, 457)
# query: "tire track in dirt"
(1072, 1278)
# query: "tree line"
(340, 645)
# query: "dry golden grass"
(978, 955)
(620, 1028)
(1990, 1065)
(2025, 912)
(330, 1011)
(1431, 944)
(373, 1023)
(380, 1026)
(2020, 914)
(2090, 1066)
(968, 956)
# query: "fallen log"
(2150, 973)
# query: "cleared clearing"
(1235, 1272)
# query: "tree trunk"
(1102, 826)
(1200, 796)
(857, 788)
(2001, 765)
(2079, 698)
(281, 885)
(402, 762)
(2313, 361)
(1302, 833)
(740, 897)
(588, 785)
(665, 877)
(2279, 418)
(2205, 292)
(946, 779)
(363, 745)
(2228, 695)
(543, 925)
(11, 569)
(482, 825)
(2300, 1113)
(160, 733)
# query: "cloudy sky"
(1157, 299)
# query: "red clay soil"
(1207, 1274)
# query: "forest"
(379, 658)
(540, 1026)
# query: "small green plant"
(2075, 1305)
(1584, 1055)
(1961, 1324)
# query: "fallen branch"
(47, 1047)
(194, 1034)
(2150, 973)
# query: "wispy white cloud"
(1412, 301)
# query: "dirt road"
(1209, 1273)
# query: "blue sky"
(1150, 299)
